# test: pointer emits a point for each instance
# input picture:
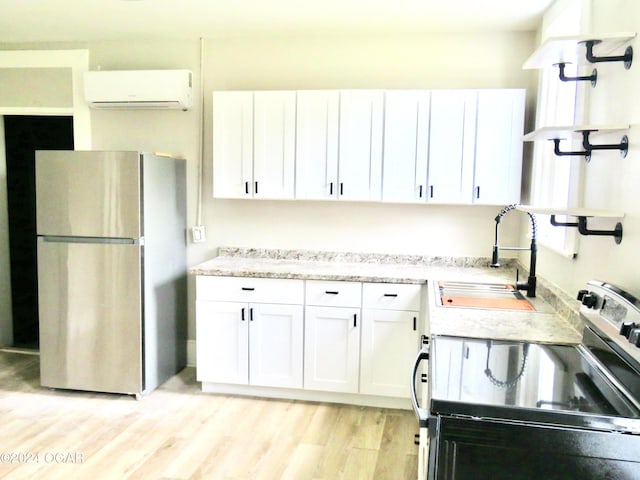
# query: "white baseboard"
(308, 395)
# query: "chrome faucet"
(530, 284)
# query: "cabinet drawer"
(244, 289)
(391, 296)
(333, 294)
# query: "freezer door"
(90, 302)
(88, 194)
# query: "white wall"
(611, 182)
(412, 61)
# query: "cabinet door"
(499, 147)
(331, 349)
(451, 146)
(406, 143)
(390, 341)
(222, 342)
(317, 144)
(275, 345)
(274, 132)
(360, 145)
(232, 144)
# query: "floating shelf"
(572, 49)
(567, 132)
(584, 132)
(581, 214)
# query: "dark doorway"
(23, 136)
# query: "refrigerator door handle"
(93, 240)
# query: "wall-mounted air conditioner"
(139, 89)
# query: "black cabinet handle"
(248, 289)
(251, 314)
(355, 319)
(430, 191)
(246, 188)
(477, 192)
(242, 315)
(331, 292)
(415, 323)
(420, 191)
(390, 295)
(256, 188)
(341, 188)
(331, 188)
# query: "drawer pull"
(242, 315)
(355, 320)
(248, 289)
(415, 323)
(391, 295)
(331, 292)
(251, 314)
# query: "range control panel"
(614, 312)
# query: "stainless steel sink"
(482, 295)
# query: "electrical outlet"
(198, 234)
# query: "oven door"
(484, 449)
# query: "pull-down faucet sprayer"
(530, 284)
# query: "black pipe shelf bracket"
(593, 78)
(581, 215)
(583, 229)
(588, 147)
(627, 58)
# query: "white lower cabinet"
(332, 336)
(332, 349)
(390, 338)
(222, 346)
(249, 343)
(254, 344)
(389, 345)
(348, 338)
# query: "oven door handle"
(421, 413)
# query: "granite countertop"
(555, 320)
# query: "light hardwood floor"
(178, 432)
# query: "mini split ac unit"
(139, 89)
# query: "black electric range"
(516, 410)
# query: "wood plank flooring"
(178, 432)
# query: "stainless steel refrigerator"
(111, 269)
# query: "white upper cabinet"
(317, 144)
(360, 145)
(254, 144)
(404, 146)
(274, 141)
(451, 146)
(406, 143)
(339, 145)
(232, 144)
(499, 147)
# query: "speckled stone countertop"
(556, 318)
